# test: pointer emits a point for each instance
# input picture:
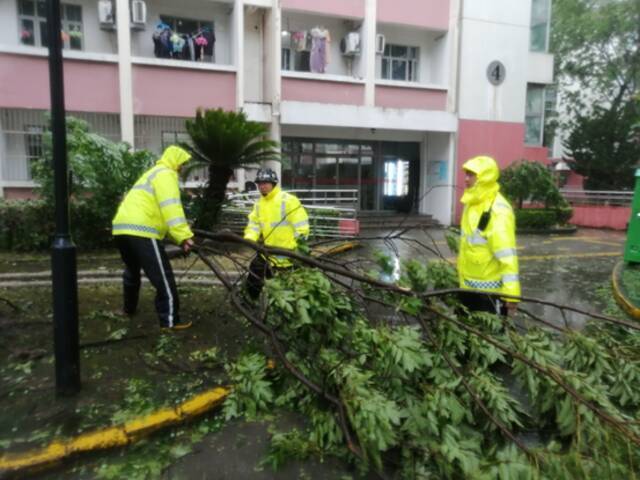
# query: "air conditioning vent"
(138, 14)
(350, 44)
(106, 14)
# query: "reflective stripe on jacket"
(280, 219)
(488, 259)
(152, 208)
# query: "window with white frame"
(400, 62)
(32, 19)
(534, 116)
(540, 18)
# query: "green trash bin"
(632, 246)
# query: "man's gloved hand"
(303, 246)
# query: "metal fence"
(332, 212)
(597, 197)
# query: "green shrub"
(525, 180)
(537, 218)
(532, 181)
(563, 215)
(25, 224)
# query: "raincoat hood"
(173, 157)
(486, 186)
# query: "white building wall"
(494, 30)
(95, 39)
(254, 55)
(9, 34)
(436, 176)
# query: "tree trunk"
(212, 197)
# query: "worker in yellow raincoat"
(152, 209)
(488, 259)
(280, 220)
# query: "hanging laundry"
(320, 44)
(177, 45)
(161, 37)
(209, 48)
(201, 43)
(299, 41)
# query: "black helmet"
(266, 175)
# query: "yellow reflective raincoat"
(280, 219)
(152, 208)
(488, 259)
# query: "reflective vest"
(152, 208)
(488, 258)
(279, 218)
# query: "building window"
(400, 62)
(33, 145)
(286, 59)
(540, 19)
(32, 18)
(185, 26)
(534, 116)
(173, 138)
(550, 115)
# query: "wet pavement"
(567, 269)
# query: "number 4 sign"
(496, 72)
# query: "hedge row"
(27, 225)
(541, 218)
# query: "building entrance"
(384, 173)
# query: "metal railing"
(332, 213)
(597, 197)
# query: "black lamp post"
(63, 251)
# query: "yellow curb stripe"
(572, 255)
(556, 257)
(116, 436)
(322, 251)
(624, 302)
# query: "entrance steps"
(387, 220)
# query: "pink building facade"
(387, 97)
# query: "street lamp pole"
(63, 251)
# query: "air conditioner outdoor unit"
(380, 43)
(106, 14)
(138, 13)
(350, 44)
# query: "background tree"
(222, 141)
(597, 50)
(101, 172)
(525, 180)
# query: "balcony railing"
(598, 197)
(332, 213)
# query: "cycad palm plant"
(222, 141)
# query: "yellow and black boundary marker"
(623, 301)
(111, 437)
